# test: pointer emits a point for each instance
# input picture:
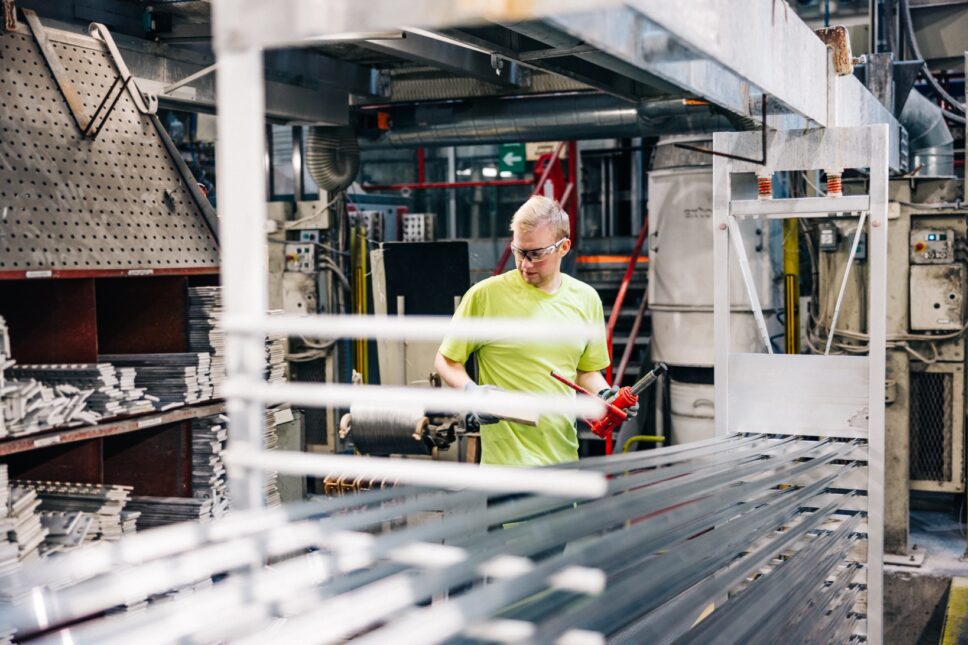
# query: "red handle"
(616, 413)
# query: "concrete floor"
(916, 597)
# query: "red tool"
(618, 404)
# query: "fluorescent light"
(506, 173)
(464, 172)
(489, 171)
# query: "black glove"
(483, 418)
(608, 393)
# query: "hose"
(332, 157)
(641, 437)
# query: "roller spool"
(382, 431)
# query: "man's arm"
(451, 372)
(594, 382)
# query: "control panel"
(932, 246)
(300, 258)
(936, 297)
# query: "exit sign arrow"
(510, 157)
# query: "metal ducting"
(332, 157)
(583, 116)
(932, 146)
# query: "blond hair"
(541, 209)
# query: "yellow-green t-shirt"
(525, 366)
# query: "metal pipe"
(581, 116)
(437, 185)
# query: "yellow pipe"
(791, 284)
(641, 437)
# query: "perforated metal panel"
(936, 428)
(72, 203)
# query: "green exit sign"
(511, 157)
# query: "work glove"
(482, 418)
(608, 393)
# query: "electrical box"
(932, 246)
(312, 215)
(937, 296)
(299, 293)
(418, 227)
(829, 237)
(301, 258)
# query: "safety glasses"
(537, 255)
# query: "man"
(536, 289)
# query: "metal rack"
(823, 396)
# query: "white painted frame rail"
(827, 396)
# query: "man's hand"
(483, 418)
(608, 393)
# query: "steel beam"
(711, 55)
(450, 57)
(241, 24)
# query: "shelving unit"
(75, 320)
(101, 238)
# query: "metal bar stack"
(159, 511)
(276, 346)
(102, 505)
(204, 333)
(27, 531)
(209, 480)
(175, 379)
(102, 388)
(9, 550)
(695, 543)
(275, 416)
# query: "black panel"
(429, 275)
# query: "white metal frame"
(838, 396)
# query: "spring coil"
(764, 187)
(834, 186)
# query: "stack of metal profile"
(102, 504)
(159, 511)
(105, 390)
(174, 379)
(9, 550)
(65, 530)
(30, 406)
(209, 480)
(205, 335)
(204, 332)
(27, 531)
(275, 416)
(745, 538)
(276, 347)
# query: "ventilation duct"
(332, 157)
(932, 146)
(592, 116)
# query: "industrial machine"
(926, 336)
